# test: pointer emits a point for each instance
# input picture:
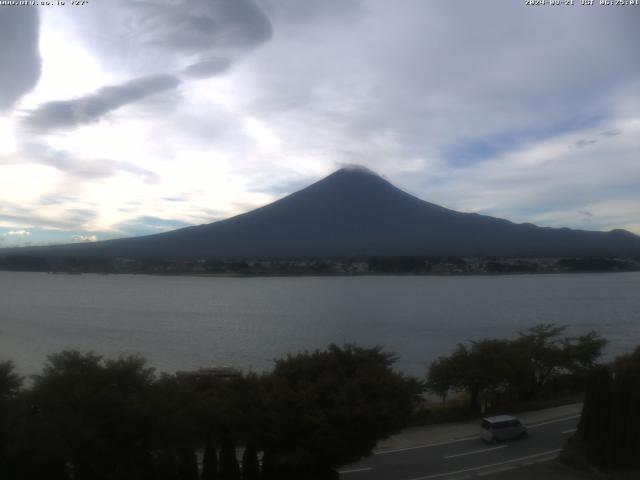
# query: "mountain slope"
(354, 212)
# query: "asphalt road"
(464, 458)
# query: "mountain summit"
(354, 212)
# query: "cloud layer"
(19, 55)
(190, 111)
(90, 108)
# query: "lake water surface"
(188, 322)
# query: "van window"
(507, 424)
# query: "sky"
(130, 117)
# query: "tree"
(229, 468)
(583, 352)
(250, 464)
(329, 408)
(96, 412)
(542, 349)
(10, 385)
(548, 355)
(210, 459)
(10, 381)
(609, 427)
(523, 367)
(481, 370)
(187, 464)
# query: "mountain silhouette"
(353, 212)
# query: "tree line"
(84, 417)
(501, 371)
(88, 418)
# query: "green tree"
(250, 464)
(210, 459)
(329, 408)
(480, 369)
(609, 427)
(10, 385)
(229, 467)
(542, 348)
(97, 413)
(520, 368)
(10, 381)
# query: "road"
(465, 457)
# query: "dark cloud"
(314, 11)
(174, 35)
(19, 55)
(585, 142)
(611, 133)
(197, 25)
(208, 68)
(90, 108)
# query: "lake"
(189, 322)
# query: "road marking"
(503, 468)
(356, 470)
(475, 451)
(481, 467)
(553, 421)
(571, 430)
(427, 445)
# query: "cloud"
(18, 233)
(585, 143)
(19, 55)
(144, 225)
(208, 68)
(79, 167)
(31, 218)
(611, 133)
(174, 199)
(90, 108)
(550, 184)
(198, 39)
(438, 76)
(36, 217)
(173, 35)
(314, 12)
(274, 94)
(84, 238)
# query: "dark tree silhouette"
(97, 413)
(210, 459)
(250, 464)
(522, 367)
(329, 408)
(229, 468)
(609, 428)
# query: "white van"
(501, 428)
